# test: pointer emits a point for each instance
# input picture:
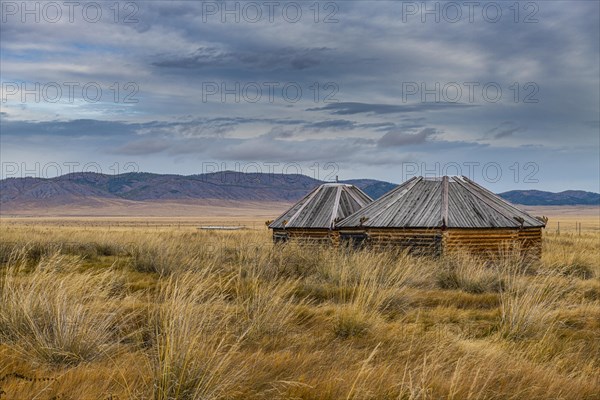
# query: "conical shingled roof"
(452, 202)
(322, 207)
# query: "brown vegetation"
(183, 314)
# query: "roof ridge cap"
(445, 201)
(336, 206)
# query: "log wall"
(531, 243)
(479, 242)
(494, 242)
(320, 236)
(418, 241)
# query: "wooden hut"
(444, 215)
(313, 218)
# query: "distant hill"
(146, 186)
(88, 188)
(541, 198)
(375, 189)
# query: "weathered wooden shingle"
(322, 207)
(452, 202)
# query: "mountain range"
(79, 188)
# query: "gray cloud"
(593, 124)
(396, 139)
(368, 55)
(351, 108)
(333, 124)
(203, 57)
(143, 147)
(505, 129)
(75, 128)
(186, 128)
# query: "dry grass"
(87, 313)
(193, 353)
(528, 306)
(57, 317)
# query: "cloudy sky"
(506, 93)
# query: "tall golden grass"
(144, 314)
